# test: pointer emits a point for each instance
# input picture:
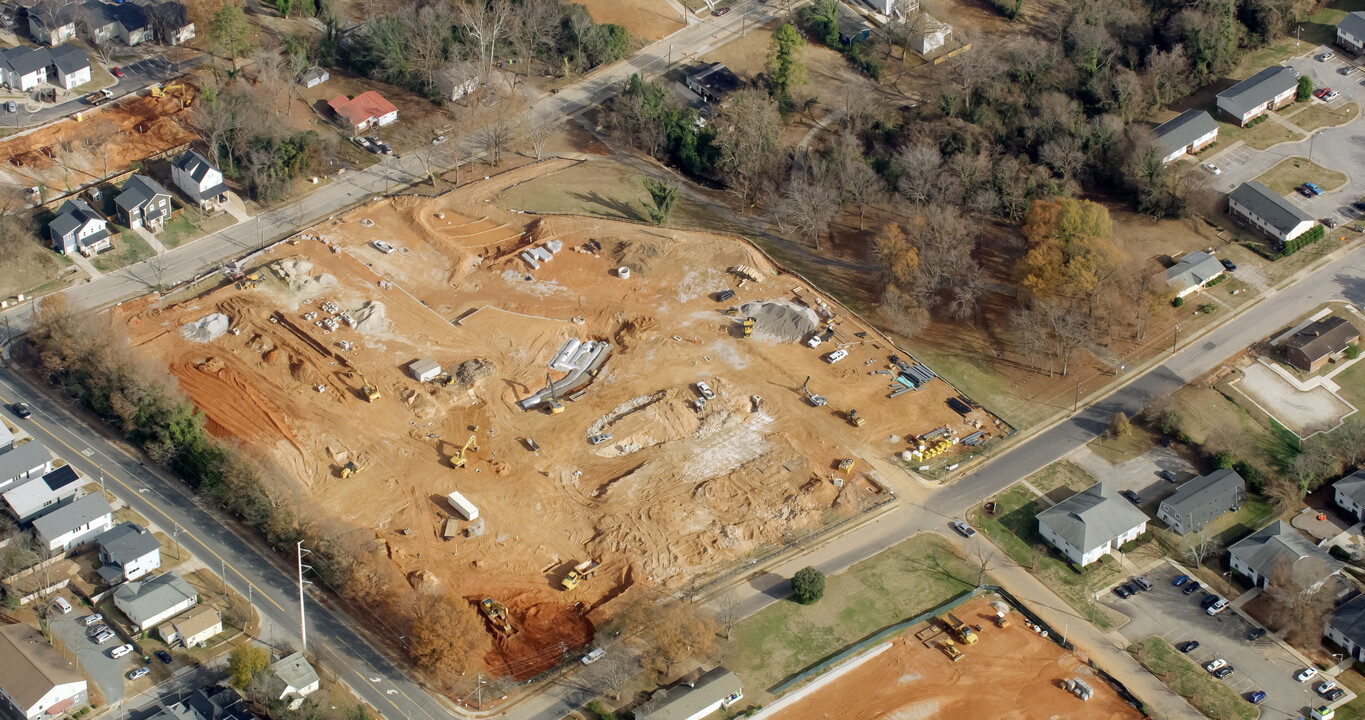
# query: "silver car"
(105, 637)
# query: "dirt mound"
(780, 320)
(294, 271)
(640, 257)
(205, 329)
(370, 319)
(471, 371)
(637, 329)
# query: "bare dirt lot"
(645, 19)
(1022, 671)
(675, 495)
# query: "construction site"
(939, 670)
(543, 412)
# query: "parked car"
(1324, 57)
(1143, 582)
(1306, 674)
(138, 673)
(1335, 694)
(1131, 496)
(963, 528)
(1166, 475)
(599, 439)
(1228, 265)
(1217, 607)
(117, 72)
(1255, 696)
(1180, 580)
(1346, 69)
(1223, 672)
(594, 656)
(382, 246)
(1132, 588)
(721, 11)
(21, 409)
(62, 605)
(836, 356)
(1321, 93)
(95, 631)
(1313, 188)
(163, 656)
(1330, 95)
(1256, 634)
(1304, 191)
(1188, 647)
(120, 651)
(1213, 168)
(1208, 600)
(12, 106)
(1215, 664)
(1190, 587)
(92, 619)
(706, 391)
(1325, 686)
(1330, 223)
(1123, 592)
(1359, 206)
(104, 637)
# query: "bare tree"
(808, 206)
(1298, 607)
(1199, 546)
(426, 42)
(1064, 155)
(727, 610)
(609, 675)
(858, 182)
(485, 22)
(1348, 442)
(984, 560)
(920, 165)
(496, 135)
(1030, 333)
(271, 76)
(748, 137)
(538, 131)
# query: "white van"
(1218, 607)
(62, 605)
(594, 656)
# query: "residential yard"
(1319, 115)
(1205, 693)
(1014, 529)
(1205, 412)
(34, 269)
(99, 78)
(192, 225)
(128, 248)
(1061, 480)
(898, 583)
(1354, 681)
(1260, 136)
(1122, 449)
(1352, 382)
(1290, 173)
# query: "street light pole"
(1175, 342)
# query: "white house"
(41, 495)
(128, 552)
(1346, 627)
(1278, 550)
(193, 627)
(1201, 500)
(299, 677)
(25, 68)
(171, 22)
(199, 180)
(714, 690)
(134, 24)
(314, 76)
(1269, 89)
(1190, 132)
(71, 66)
(364, 111)
(1194, 271)
(1349, 494)
(1351, 32)
(75, 524)
(1090, 524)
(52, 22)
(29, 460)
(35, 680)
(1269, 212)
(148, 603)
(78, 228)
(931, 34)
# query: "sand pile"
(209, 327)
(470, 371)
(780, 320)
(370, 318)
(295, 272)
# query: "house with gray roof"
(78, 228)
(1349, 494)
(714, 690)
(299, 678)
(713, 81)
(52, 22)
(39, 496)
(143, 203)
(97, 20)
(1201, 500)
(71, 66)
(171, 23)
(1346, 627)
(199, 180)
(1279, 551)
(133, 22)
(1269, 89)
(1193, 272)
(148, 603)
(128, 552)
(29, 460)
(1269, 212)
(1351, 32)
(75, 523)
(1190, 132)
(24, 68)
(1091, 523)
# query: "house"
(134, 23)
(713, 81)
(74, 524)
(1091, 523)
(128, 552)
(171, 23)
(52, 22)
(71, 66)
(148, 603)
(314, 76)
(1324, 340)
(216, 703)
(6, 439)
(714, 690)
(930, 35)
(1346, 627)
(1190, 132)
(143, 203)
(29, 460)
(1351, 32)
(194, 627)
(77, 227)
(1279, 548)
(1268, 211)
(25, 68)
(300, 679)
(35, 680)
(41, 495)
(1193, 272)
(1349, 494)
(199, 180)
(1201, 500)
(853, 28)
(366, 110)
(1269, 89)
(98, 20)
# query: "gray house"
(78, 228)
(1268, 212)
(74, 524)
(690, 700)
(25, 68)
(1190, 132)
(713, 81)
(1349, 494)
(1346, 627)
(1193, 272)
(128, 552)
(143, 203)
(1201, 500)
(1279, 548)
(29, 460)
(1090, 523)
(1351, 31)
(150, 602)
(1269, 89)
(40, 496)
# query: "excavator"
(556, 405)
(370, 392)
(161, 90)
(350, 469)
(496, 613)
(459, 460)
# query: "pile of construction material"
(537, 256)
(908, 377)
(1079, 688)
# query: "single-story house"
(215, 703)
(98, 20)
(930, 35)
(78, 228)
(199, 180)
(713, 81)
(853, 28)
(134, 23)
(1269, 89)
(35, 680)
(1351, 31)
(148, 603)
(39, 496)
(1193, 272)
(29, 460)
(171, 23)
(1269, 212)
(1091, 523)
(714, 690)
(71, 66)
(1346, 627)
(1201, 500)
(25, 68)
(1190, 132)
(314, 76)
(143, 203)
(194, 627)
(1317, 344)
(1279, 548)
(52, 22)
(75, 523)
(364, 111)
(128, 552)
(299, 677)
(1349, 494)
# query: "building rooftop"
(23, 458)
(1353, 486)
(682, 702)
(70, 59)
(1354, 25)
(25, 60)
(1206, 497)
(1092, 517)
(362, 107)
(1324, 337)
(1187, 127)
(143, 600)
(295, 671)
(1259, 89)
(68, 517)
(29, 666)
(126, 542)
(1349, 620)
(138, 191)
(1278, 547)
(1193, 270)
(196, 620)
(1269, 206)
(72, 215)
(715, 78)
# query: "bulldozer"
(370, 392)
(580, 572)
(555, 405)
(951, 651)
(350, 468)
(445, 379)
(459, 459)
(497, 616)
(248, 282)
(749, 326)
(855, 419)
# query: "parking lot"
(1261, 665)
(107, 672)
(1141, 475)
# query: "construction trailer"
(424, 370)
(462, 506)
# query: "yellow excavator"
(459, 460)
(496, 613)
(370, 392)
(161, 90)
(556, 405)
(350, 469)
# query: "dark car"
(1359, 206)
(21, 409)
(1223, 672)
(1329, 222)
(1304, 191)
(1190, 587)
(163, 656)
(1143, 582)
(1256, 634)
(1228, 265)
(1167, 475)
(1187, 647)
(1335, 694)
(1255, 696)
(1123, 592)
(1180, 580)
(1131, 496)
(1208, 600)
(721, 11)
(1132, 588)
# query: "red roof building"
(366, 110)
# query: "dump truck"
(961, 629)
(749, 326)
(100, 97)
(497, 616)
(580, 572)
(845, 465)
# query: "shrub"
(1208, 308)
(808, 585)
(596, 707)
(1225, 460)
(1353, 351)
(1248, 472)
(1339, 553)
(1178, 302)
(1216, 280)
(1119, 426)
(1305, 89)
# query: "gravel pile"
(780, 320)
(205, 329)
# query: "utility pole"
(1175, 342)
(303, 625)
(222, 573)
(176, 534)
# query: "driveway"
(107, 672)
(1262, 665)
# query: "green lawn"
(978, 376)
(99, 78)
(1352, 383)
(1318, 115)
(1064, 476)
(1259, 136)
(129, 248)
(1355, 682)
(1204, 412)
(1205, 693)
(898, 583)
(192, 225)
(1014, 529)
(1292, 172)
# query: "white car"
(963, 528)
(1218, 607)
(382, 246)
(138, 673)
(599, 439)
(120, 651)
(1330, 95)
(438, 139)
(104, 637)
(1213, 168)
(836, 356)
(1324, 57)
(1325, 687)
(1306, 674)
(92, 619)
(706, 391)
(594, 656)
(1215, 664)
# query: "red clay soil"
(546, 632)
